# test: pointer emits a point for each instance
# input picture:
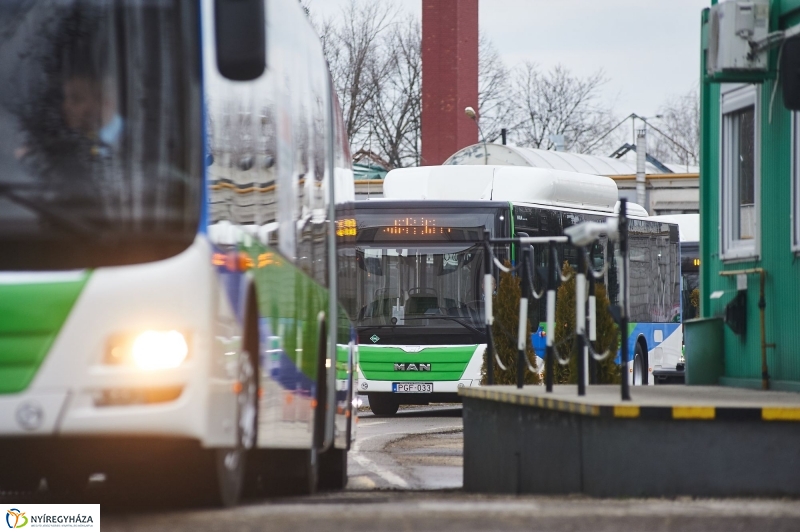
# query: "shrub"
(607, 334)
(504, 331)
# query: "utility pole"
(641, 169)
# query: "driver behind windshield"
(90, 109)
(73, 128)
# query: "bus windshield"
(420, 270)
(415, 286)
(100, 137)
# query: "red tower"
(449, 77)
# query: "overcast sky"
(648, 49)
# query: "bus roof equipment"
(688, 225)
(503, 183)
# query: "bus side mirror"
(241, 38)
(790, 74)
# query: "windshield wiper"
(449, 318)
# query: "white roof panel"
(688, 225)
(499, 154)
(502, 183)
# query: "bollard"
(591, 316)
(580, 320)
(622, 225)
(487, 307)
(552, 273)
(523, 317)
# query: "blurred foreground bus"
(174, 185)
(418, 303)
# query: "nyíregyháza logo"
(16, 518)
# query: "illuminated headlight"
(150, 350)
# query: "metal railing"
(578, 236)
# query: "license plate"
(412, 387)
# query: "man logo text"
(412, 367)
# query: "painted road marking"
(693, 412)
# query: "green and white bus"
(174, 186)
(418, 303)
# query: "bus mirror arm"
(585, 233)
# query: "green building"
(749, 184)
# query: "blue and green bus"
(175, 210)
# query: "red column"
(449, 77)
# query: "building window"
(795, 182)
(739, 175)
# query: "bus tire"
(383, 404)
(252, 346)
(321, 400)
(287, 471)
(230, 464)
(333, 469)
(639, 366)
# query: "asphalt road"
(405, 474)
(419, 448)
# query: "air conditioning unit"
(733, 24)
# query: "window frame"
(794, 211)
(734, 98)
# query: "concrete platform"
(667, 441)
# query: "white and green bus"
(419, 303)
(175, 197)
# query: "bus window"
(101, 168)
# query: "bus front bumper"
(670, 376)
(370, 386)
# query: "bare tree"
(557, 102)
(357, 59)
(375, 61)
(376, 65)
(678, 136)
(494, 90)
(396, 108)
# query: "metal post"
(549, 357)
(522, 341)
(487, 306)
(591, 315)
(623, 297)
(580, 320)
(641, 167)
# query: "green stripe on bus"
(447, 363)
(31, 315)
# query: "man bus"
(418, 304)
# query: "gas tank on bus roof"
(502, 183)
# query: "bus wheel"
(333, 469)
(383, 404)
(230, 463)
(639, 370)
(287, 471)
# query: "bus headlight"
(150, 350)
(153, 350)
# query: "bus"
(689, 229)
(418, 304)
(175, 209)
